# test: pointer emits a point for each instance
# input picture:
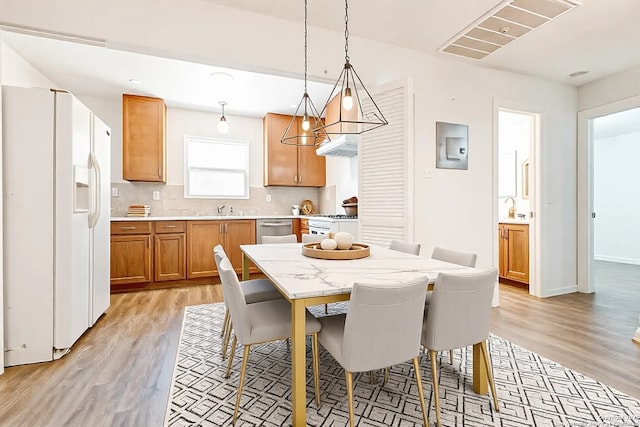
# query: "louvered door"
(385, 164)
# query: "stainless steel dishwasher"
(273, 227)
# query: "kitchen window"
(216, 168)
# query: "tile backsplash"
(173, 203)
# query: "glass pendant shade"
(223, 126)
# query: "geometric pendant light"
(358, 111)
(301, 130)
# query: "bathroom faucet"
(221, 208)
(512, 209)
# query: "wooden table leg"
(298, 368)
(479, 371)
(245, 267)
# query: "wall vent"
(508, 21)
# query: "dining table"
(305, 281)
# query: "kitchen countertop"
(203, 217)
(513, 221)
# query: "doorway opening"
(607, 158)
(517, 141)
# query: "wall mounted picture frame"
(452, 146)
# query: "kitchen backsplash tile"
(173, 203)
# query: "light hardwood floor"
(119, 373)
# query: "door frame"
(585, 249)
(534, 186)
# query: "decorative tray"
(358, 250)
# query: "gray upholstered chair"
(410, 248)
(255, 290)
(381, 329)
(454, 257)
(313, 238)
(259, 323)
(289, 238)
(458, 317)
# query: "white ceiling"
(600, 36)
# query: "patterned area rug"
(532, 391)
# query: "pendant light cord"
(346, 31)
(305, 48)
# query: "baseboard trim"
(619, 260)
(560, 291)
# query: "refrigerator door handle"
(95, 214)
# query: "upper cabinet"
(289, 165)
(143, 139)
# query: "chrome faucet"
(221, 208)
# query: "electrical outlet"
(268, 198)
(114, 192)
(156, 195)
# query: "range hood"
(340, 145)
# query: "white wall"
(616, 178)
(16, 71)
(2, 45)
(343, 173)
(613, 88)
(453, 208)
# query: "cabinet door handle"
(168, 226)
(295, 178)
(300, 179)
(226, 228)
(127, 228)
(220, 228)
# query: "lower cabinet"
(202, 236)
(130, 252)
(169, 250)
(146, 252)
(513, 241)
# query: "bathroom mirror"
(525, 179)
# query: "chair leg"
(487, 365)
(245, 357)
(350, 397)
(450, 357)
(227, 337)
(233, 353)
(316, 366)
(224, 323)
(326, 309)
(386, 376)
(434, 376)
(416, 368)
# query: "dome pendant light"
(301, 129)
(223, 126)
(358, 111)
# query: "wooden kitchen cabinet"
(289, 165)
(130, 252)
(202, 236)
(143, 138)
(513, 242)
(170, 250)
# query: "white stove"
(325, 224)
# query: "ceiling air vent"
(503, 24)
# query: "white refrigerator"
(56, 180)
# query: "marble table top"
(298, 276)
